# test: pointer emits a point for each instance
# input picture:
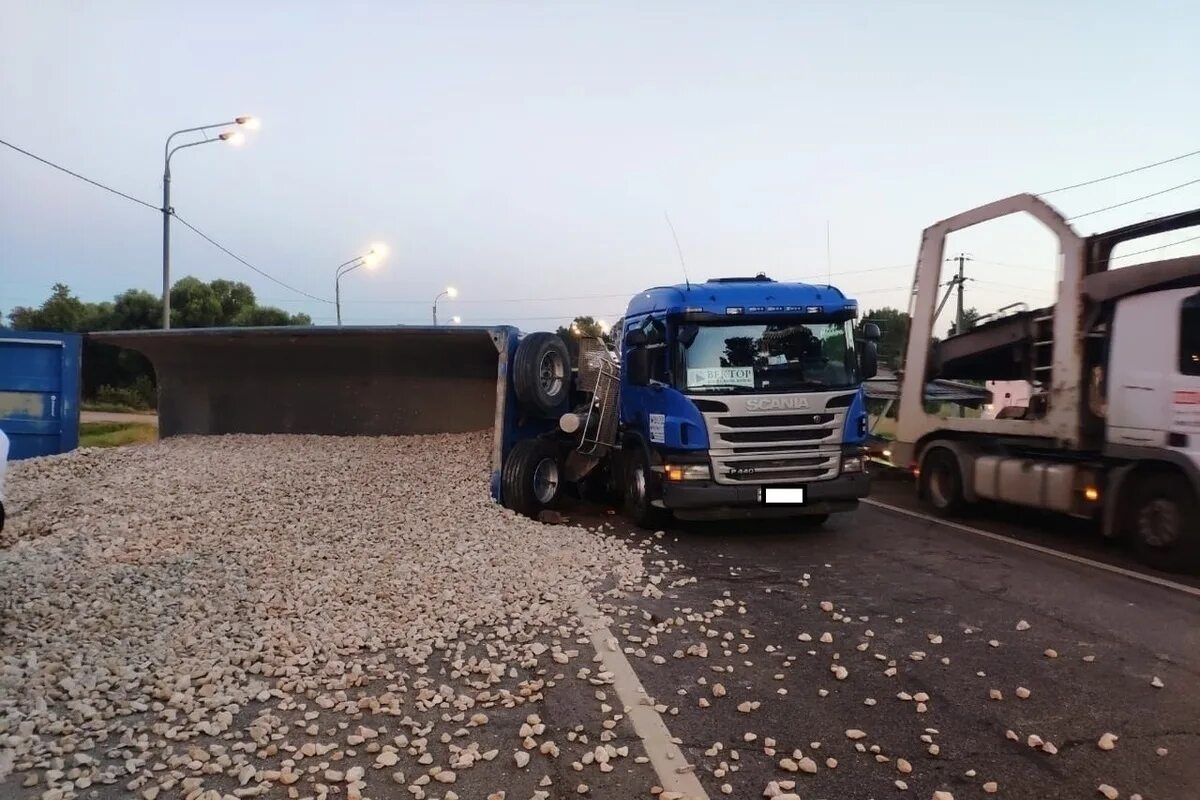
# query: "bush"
(140, 395)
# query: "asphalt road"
(899, 588)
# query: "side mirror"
(868, 360)
(637, 366)
(870, 332)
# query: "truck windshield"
(775, 356)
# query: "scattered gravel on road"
(217, 611)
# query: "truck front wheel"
(941, 486)
(641, 488)
(531, 479)
(1162, 522)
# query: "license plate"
(785, 495)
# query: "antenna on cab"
(678, 250)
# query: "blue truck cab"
(737, 397)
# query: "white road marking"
(1128, 573)
(665, 756)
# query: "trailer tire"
(640, 489)
(531, 479)
(542, 373)
(941, 483)
(1162, 522)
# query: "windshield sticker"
(721, 376)
(658, 432)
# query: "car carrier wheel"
(640, 490)
(531, 479)
(542, 373)
(1164, 523)
(941, 487)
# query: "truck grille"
(783, 447)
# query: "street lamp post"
(234, 137)
(369, 261)
(450, 292)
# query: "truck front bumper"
(709, 500)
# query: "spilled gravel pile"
(191, 614)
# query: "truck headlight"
(853, 464)
(687, 472)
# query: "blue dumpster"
(39, 392)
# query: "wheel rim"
(638, 486)
(551, 372)
(1159, 523)
(545, 480)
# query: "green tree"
(194, 304)
(127, 373)
(136, 310)
(235, 298)
(62, 311)
(583, 326)
(893, 328)
(970, 318)
(264, 316)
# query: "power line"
(182, 221)
(1134, 200)
(80, 177)
(1005, 264)
(501, 300)
(561, 298)
(243, 261)
(852, 292)
(859, 271)
(1122, 174)
(1152, 249)
(1012, 286)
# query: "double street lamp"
(233, 137)
(450, 292)
(369, 260)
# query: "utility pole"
(959, 280)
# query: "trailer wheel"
(641, 488)
(531, 479)
(542, 373)
(941, 482)
(1162, 523)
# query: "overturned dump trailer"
(737, 397)
(336, 381)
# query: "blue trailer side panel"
(39, 392)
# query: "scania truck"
(736, 397)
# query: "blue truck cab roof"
(725, 297)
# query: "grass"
(112, 408)
(115, 434)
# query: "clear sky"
(529, 150)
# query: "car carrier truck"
(1111, 429)
(737, 397)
